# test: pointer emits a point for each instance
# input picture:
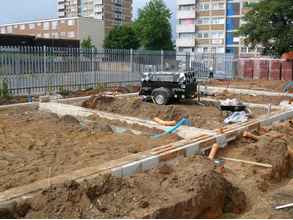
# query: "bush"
(4, 92)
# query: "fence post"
(131, 60)
(162, 60)
(45, 67)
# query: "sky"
(27, 10)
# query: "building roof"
(47, 20)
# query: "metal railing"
(42, 70)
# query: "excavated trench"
(190, 188)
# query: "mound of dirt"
(68, 119)
(208, 117)
(273, 149)
(94, 100)
(192, 190)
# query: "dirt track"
(36, 145)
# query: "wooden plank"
(248, 162)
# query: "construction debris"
(165, 123)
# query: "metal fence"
(42, 70)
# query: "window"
(22, 27)
(3, 30)
(203, 34)
(54, 25)
(70, 22)
(187, 21)
(71, 34)
(186, 35)
(46, 35)
(9, 29)
(204, 6)
(217, 34)
(55, 35)
(203, 21)
(32, 26)
(218, 6)
(46, 26)
(186, 7)
(218, 20)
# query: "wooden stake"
(247, 134)
(248, 162)
(214, 151)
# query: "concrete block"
(117, 172)
(191, 150)
(266, 122)
(221, 140)
(131, 168)
(44, 99)
(150, 163)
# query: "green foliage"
(122, 37)
(63, 92)
(100, 87)
(153, 26)
(269, 23)
(4, 92)
(87, 44)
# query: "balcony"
(186, 14)
(185, 28)
(186, 2)
(185, 42)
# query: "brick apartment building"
(209, 26)
(112, 12)
(73, 28)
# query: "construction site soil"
(113, 89)
(187, 188)
(265, 188)
(205, 115)
(36, 145)
(13, 100)
(264, 85)
(274, 100)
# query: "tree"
(153, 26)
(87, 44)
(269, 23)
(121, 37)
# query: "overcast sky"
(26, 10)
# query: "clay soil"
(113, 89)
(36, 145)
(265, 85)
(274, 100)
(208, 117)
(265, 188)
(13, 100)
(189, 188)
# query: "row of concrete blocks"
(197, 146)
(213, 89)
